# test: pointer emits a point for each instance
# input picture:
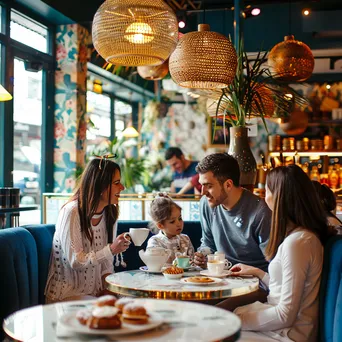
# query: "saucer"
(222, 275)
(145, 269)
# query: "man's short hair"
(222, 165)
(173, 151)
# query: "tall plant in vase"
(255, 92)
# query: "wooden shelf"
(329, 153)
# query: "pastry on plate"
(107, 300)
(173, 270)
(134, 314)
(120, 303)
(199, 280)
(83, 316)
(104, 317)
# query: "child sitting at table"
(167, 218)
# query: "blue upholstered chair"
(18, 272)
(331, 292)
(43, 235)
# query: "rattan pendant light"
(154, 72)
(203, 60)
(135, 32)
(291, 60)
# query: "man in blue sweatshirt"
(234, 221)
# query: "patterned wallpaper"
(70, 104)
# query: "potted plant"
(255, 92)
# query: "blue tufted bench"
(18, 272)
(331, 292)
(43, 235)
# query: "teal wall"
(269, 28)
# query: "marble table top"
(141, 284)
(182, 321)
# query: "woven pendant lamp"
(153, 73)
(291, 60)
(203, 60)
(135, 32)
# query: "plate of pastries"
(201, 280)
(111, 316)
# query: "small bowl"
(173, 276)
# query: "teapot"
(154, 257)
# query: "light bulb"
(139, 33)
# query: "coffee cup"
(182, 261)
(137, 235)
(216, 267)
(220, 256)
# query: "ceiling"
(82, 11)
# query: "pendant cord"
(289, 17)
(203, 11)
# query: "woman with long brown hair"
(295, 251)
(85, 238)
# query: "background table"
(13, 214)
(142, 284)
(185, 321)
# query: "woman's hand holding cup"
(120, 244)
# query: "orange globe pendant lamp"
(203, 60)
(135, 32)
(291, 60)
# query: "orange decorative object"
(291, 60)
(203, 60)
(296, 124)
(152, 73)
(135, 32)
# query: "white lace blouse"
(76, 266)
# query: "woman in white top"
(295, 251)
(85, 238)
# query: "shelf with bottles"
(309, 153)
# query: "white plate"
(145, 269)
(222, 275)
(216, 281)
(70, 322)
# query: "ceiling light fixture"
(306, 12)
(135, 32)
(4, 94)
(203, 60)
(291, 60)
(255, 11)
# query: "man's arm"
(263, 226)
(172, 188)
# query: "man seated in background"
(183, 169)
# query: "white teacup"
(137, 235)
(220, 256)
(216, 267)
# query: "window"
(123, 116)
(29, 32)
(99, 130)
(27, 118)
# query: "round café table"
(183, 321)
(150, 285)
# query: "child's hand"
(199, 259)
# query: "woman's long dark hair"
(94, 181)
(295, 200)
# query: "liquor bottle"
(333, 180)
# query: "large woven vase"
(239, 148)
